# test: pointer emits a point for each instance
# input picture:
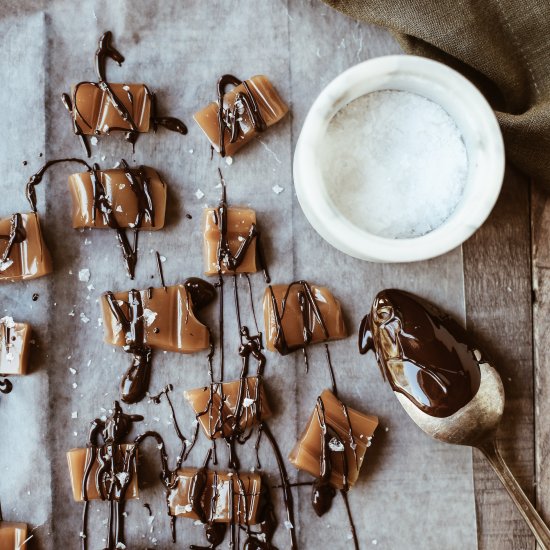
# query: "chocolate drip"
(114, 473)
(135, 382)
(106, 51)
(5, 386)
(17, 235)
(424, 354)
(229, 119)
(170, 123)
(35, 179)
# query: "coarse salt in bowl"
(400, 159)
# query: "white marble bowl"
(473, 116)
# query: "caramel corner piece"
(284, 327)
(271, 107)
(14, 347)
(247, 393)
(13, 536)
(213, 503)
(79, 458)
(239, 223)
(306, 454)
(121, 197)
(95, 114)
(27, 257)
(170, 322)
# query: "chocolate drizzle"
(424, 354)
(230, 117)
(140, 185)
(114, 473)
(225, 257)
(106, 51)
(310, 312)
(135, 382)
(17, 235)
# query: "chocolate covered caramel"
(236, 228)
(229, 408)
(162, 318)
(107, 470)
(216, 497)
(13, 536)
(23, 251)
(118, 198)
(87, 462)
(423, 353)
(239, 114)
(99, 108)
(300, 314)
(334, 441)
(14, 347)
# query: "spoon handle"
(530, 515)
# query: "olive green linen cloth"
(503, 46)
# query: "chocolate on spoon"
(443, 382)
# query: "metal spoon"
(387, 332)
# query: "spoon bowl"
(443, 383)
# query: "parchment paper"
(413, 492)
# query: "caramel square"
(95, 114)
(29, 257)
(290, 337)
(239, 223)
(306, 454)
(14, 347)
(207, 402)
(121, 197)
(77, 460)
(271, 107)
(13, 536)
(170, 310)
(216, 498)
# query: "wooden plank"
(540, 232)
(497, 278)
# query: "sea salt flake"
(93, 140)
(247, 402)
(336, 445)
(84, 318)
(149, 316)
(229, 161)
(72, 371)
(5, 265)
(199, 194)
(74, 414)
(277, 189)
(395, 164)
(288, 525)
(84, 275)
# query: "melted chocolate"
(310, 311)
(423, 353)
(139, 184)
(229, 118)
(106, 51)
(17, 235)
(225, 256)
(113, 476)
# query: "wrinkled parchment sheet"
(413, 492)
